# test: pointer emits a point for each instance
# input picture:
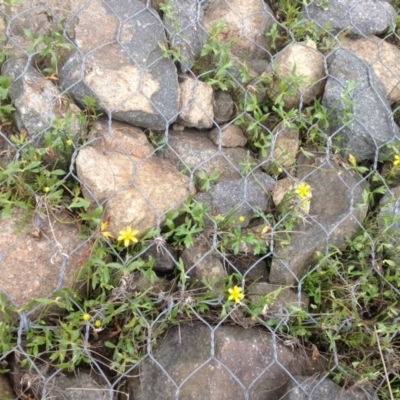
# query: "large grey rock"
(363, 17)
(382, 56)
(128, 180)
(120, 62)
(247, 20)
(194, 151)
(241, 364)
(184, 24)
(335, 213)
(38, 101)
(366, 126)
(317, 388)
(244, 195)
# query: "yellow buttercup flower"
(86, 317)
(352, 160)
(97, 323)
(235, 294)
(396, 161)
(103, 229)
(242, 218)
(128, 236)
(303, 190)
(69, 142)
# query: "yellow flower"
(396, 161)
(103, 229)
(86, 317)
(97, 323)
(69, 142)
(242, 218)
(46, 189)
(352, 160)
(235, 294)
(128, 236)
(303, 190)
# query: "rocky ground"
(276, 134)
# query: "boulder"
(39, 256)
(185, 30)
(38, 101)
(382, 57)
(244, 196)
(248, 20)
(337, 211)
(199, 362)
(301, 66)
(191, 150)
(131, 188)
(195, 103)
(367, 17)
(228, 136)
(360, 120)
(121, 63)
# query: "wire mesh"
(199, 199)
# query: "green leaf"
(79, 202)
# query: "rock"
(202, 263)
(364, 18)
(335, 214)
(315, 388)
(364, 126)
(251, 267)
(134, 82)
(195, 103)
(184, 25)
(303, 61)
(81, 386)
(135, 192)
(39, 256)
(228, 135)
(383, 57)
(245, 195)
(119, 137)
(164, 254)
(192, 150)
(6, 392)
(39, 19)
(223, 106)
(389, 222)
(248, 20)
(38, 101)
(226, 363)
(283, 186)
(275, 297)
(285, 146)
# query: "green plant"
(205, 180)
(49, 48)
(6, 107)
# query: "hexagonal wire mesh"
(199, 199)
